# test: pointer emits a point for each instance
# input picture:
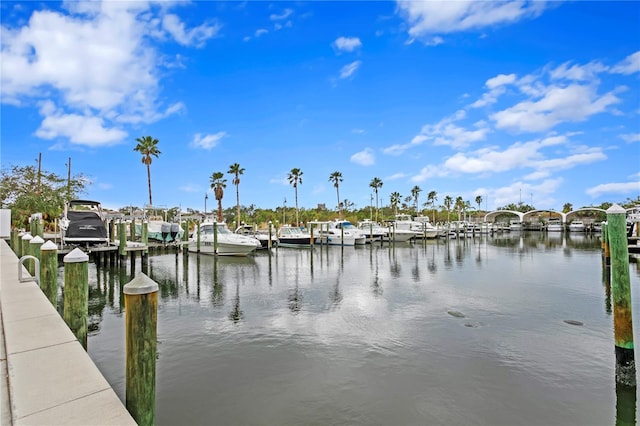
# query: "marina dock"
(48, 378)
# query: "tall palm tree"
(415, 191)
(295, 178)
(376, 184)
(479, 202)
(218, 184)
(236, 171)
(148, 147)
(432, 197)
(448, 202)
(336, 178)
(395, 198)
(459, 204)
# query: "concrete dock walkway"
(47, 376)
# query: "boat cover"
(85, 225)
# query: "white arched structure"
(521, 216)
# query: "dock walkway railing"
(48, 378)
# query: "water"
(454, 333)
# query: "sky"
(524, 101)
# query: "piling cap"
(76, 256)
(49, 245)
(616, 209)
(141, 284)
(36, 240)
(27, 236)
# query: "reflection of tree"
(375, 285)
(295, 299)
(447, 254)
(394, 266)
(236, 314)
(336, 295)
(431, 262)
(217, 292)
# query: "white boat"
(82, 223)
(404, 222)
(340, 233)
(372, 231)
(576, 226)
(515, 225)
(554, 224)
(261, 235)
(216, 238)
(160, 230)
(292, 236)
(424, 227)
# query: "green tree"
(432, 197)
(479, 202)
(376, 184)
(415, 191)
(459, 204)
(295, 178)
(218, 184)
(395, 198)
(236, 171)
(336, 178)
(567, 207)
(148, 147)
(448, 202)
(19, 192)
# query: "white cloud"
(284, 15)
(630, 65)
(366, 157)
(190, 188)
(426, 18)
(586, 72)
(631, 137)
(349, 69)
(347, 44)
(93, 60)
(260, 32)
(614, 188)
(207, 141)
(500, 80)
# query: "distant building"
(322, 206)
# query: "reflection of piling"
(141, 304)
(49, 271)
(621, 292)
(76, 293)
(625, 405)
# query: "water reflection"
(361, 335)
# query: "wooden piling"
(25, 250)
(621, 294)
(34, 250)
(122, 238)
(112, 233)
(198, 236)
(49, 271)
(605, 245)
(76, 293)
(141, 305)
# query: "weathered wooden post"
(605, 245)
(141, 305)
(76, 293)
(112, 232)
(198, 236)
(34, 250)
(621, 292)
(311, 239)
(122, 238)
(132, 230)
(215, 237)
(185, 235)
(49, 271)
(270, 244)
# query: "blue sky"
(536, 102)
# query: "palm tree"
(479, 202)
(415, 191)
(218, 184)
(336, 178)
(448, 202)
(432, 197)
(236, 171)
(459, 205)
(376, 184)
(395, 199)
(147, 146)
(295, 178)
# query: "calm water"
(366, 335)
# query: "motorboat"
(267, 239)
(576, 226)
(554, 224)
(159, 229)
(340, 233)
(82, 223)
(293, 236)
(216, 238)
(421, 228)
(372, 231)
(515, 225)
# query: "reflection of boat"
(290, 236)
(82, 223)
(554, 224)
(260, 235)
(576, 226)
(228, 243)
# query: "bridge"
(521, 216)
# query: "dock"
(47, 376)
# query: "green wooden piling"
(132, 230)
(25, 250)
(40, 228)
(198, 236)
(13, 241)
(605, 244)
(621, 292)
(269, 244)
(49, 271)
(18, 249)
(34, 250)
(141, 305)
(112, 232)
(215, 237)
(122, 238)
(76, 293)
